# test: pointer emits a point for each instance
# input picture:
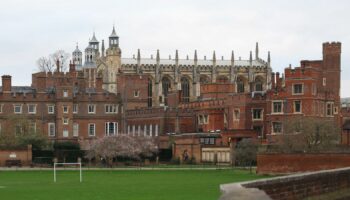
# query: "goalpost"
(55, 168)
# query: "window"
(110, 128)
(0, 129)
(297, 106)
(65, 121)
(91, 130)
(257, 114)
(51, 129)
(150, 93)
(17, 109)
(203, 119)
(18, 129)
(329, 109)
(335, 110)
(166, 84)
(51, 109)
(136, 93)
(1, 108)
(240, 85)
(110, 109)
(75, 108)
(236, 114)
(75, 130)
(277, 107)
(298, 89)
(31, 108)
(65, 93)
(259, 130)
(32, 127)
(276, 127)
(258, 84)
(185, 90)
(91, 109)
(65, 109)
(207, 141)
(65, 133)
(324, 82)
(314, 89)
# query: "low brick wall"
(24, 155)
(298, 186)
(290, 163)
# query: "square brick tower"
(331, 70)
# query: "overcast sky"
(291, 30)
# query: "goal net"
(56, 166)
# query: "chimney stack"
(6, 83)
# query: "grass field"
(119, 184)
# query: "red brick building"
(62, 106)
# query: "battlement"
(331, 47)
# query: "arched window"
(149, 99)
(258, 84)
(166, 86)
(240, 85)
(185, 90)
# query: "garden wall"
(327, 184)
(24, 155)
(277, 163)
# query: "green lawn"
(121, 185)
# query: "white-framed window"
(17, 108)
(75, 130)
(236, 114)
(276, 127)
(91, 130)
(257, 114)
(111, 108)
(51, 109)
(329, 109)
(75, 108)
(65, 132)
(1, 105)
(298, 89)
(297, 106)
(277, 107)
(51, 129)
(65, 109)
(65, 93)
(111, 128)
(136, 93)
(324, 81)
(65, 121)
(31, 108)
(91, 108)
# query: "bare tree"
(310, 134)
(48, 64)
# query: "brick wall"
(300, 186)
(291, 163)
(25, 156)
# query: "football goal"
(55, 168)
